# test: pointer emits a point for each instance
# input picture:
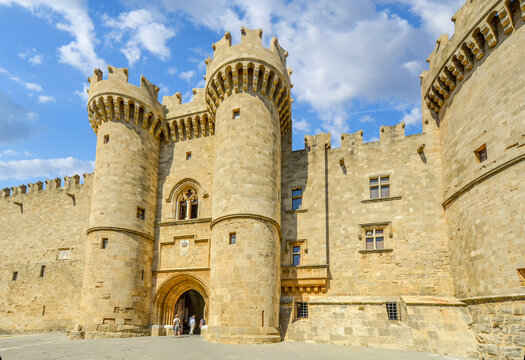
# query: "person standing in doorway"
(192, 324)
(176, 326)
(202, 323)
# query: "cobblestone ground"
(59, 346)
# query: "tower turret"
(248, 94)
(129, 122)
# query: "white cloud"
(172, 70)
(8, 153)
(373, 139)
(17, 122)
(367, 119)
(301, 125)
(413, 117)
(33, 57)
(143, 31)
(46, 99)
(28, 85)
(44, 168)
(74, 19)
(83, 93)
(187, 75)
(342, 52)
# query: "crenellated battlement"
(480, 25)
(190, 120)
(70, 183)
(249, 66)
(115, 99)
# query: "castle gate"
(182, 294)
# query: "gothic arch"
(169, 293)
(186, 194)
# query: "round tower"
(128, 122)
(248, 95)
(474, 92)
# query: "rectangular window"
(188, 155)
(392, 311)
(481, 153)
(296, 255)
(182, 210)
(42, 270)
(379, 187)
(297, 199)
(236, 113)
(104, 244)
(141, 213)
(142, 275)
(301, 310)
(233, 238)
(194, 209)
(64, 254)
(106, 139)
(374, 238)
(15, 276)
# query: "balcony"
(304, 278)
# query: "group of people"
(177, 325)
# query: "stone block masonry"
(410, 242)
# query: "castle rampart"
(409, 242)
(43, 237)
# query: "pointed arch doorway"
(184, 295)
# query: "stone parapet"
(115, 99)
(480, 26)
(249, 66)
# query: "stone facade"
(411, 242)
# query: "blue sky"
(356, 65)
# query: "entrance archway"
(180, 294)
(190, 303)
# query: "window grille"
(301, 310)
(392, 311)
(233, 238)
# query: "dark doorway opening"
(190, 303)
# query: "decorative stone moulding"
(115, 107)
(249, 66)
(475, 45)
(115, 99)
(190, 127)
(250, 75)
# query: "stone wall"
(337, 207)
(499, 327)
(435, 325)
(33, 233)
(484, 200)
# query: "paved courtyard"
(59, 346)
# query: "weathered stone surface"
(451, 245)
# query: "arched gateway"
(184, 294)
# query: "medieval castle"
(412, 242)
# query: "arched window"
(188, 204)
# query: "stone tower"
(248, 94)
(128, 122)
(473, 92)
